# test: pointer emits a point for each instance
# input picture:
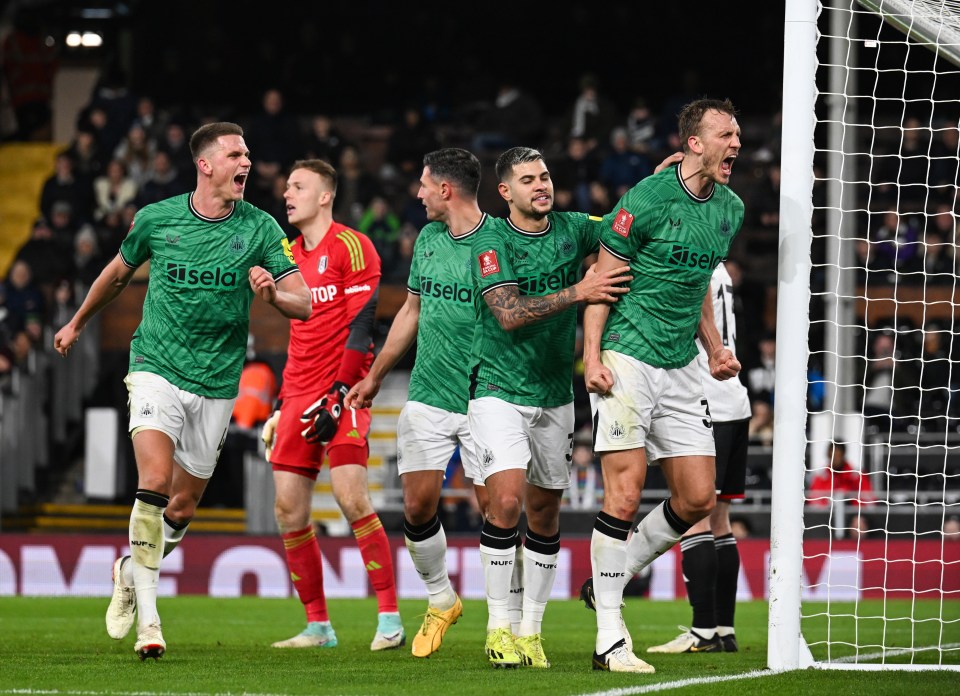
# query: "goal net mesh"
(881, 550)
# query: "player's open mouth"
(240, 180)
(726, 166)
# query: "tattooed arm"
(514, 310)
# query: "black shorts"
(731, 440)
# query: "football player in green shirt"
(640, 366)
(210, 252)
(527, 277)
(438, 315)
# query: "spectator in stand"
(136, 152)
(407, 143)
(890, 386)
(894, 240)
(840, 481)
(586, 480)
(23, 299)
(113, 190)
(760, 382)
(572, 173)
(42, 252)
(87, 158)
(63, 225)
(934, 264)
(277, 207)
(87, 259)
(411, 209)
(944, 153)
(355, 190)
(622, 166)
(118, 104)
(599, 199)
(274, 137)
(935, 377)
(382, 226)
(514, 118)
(174, 143)
(152, 121)
(593, 115)
(163, 182)
(641, 127)
(112, 230)
(63, 185)
(324, 141)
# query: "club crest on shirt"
(489, 264)
(622, 223)
(324, 262)
(237, 245)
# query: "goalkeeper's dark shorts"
(292, 453)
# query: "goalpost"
(867, 313)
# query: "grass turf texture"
(222, 646)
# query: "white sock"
(539, 573)
(515, 601)
(498, 550)
(607, 558)
(427, 545)
(146, 544)
(655, 534)
(172, 536)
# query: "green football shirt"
(531, 365)
(672, 240)
(196, 314)
(440, 273)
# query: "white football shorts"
(538, 440)
(196, 424)
(662, 410)
(427, 437)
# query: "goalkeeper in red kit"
(328, 354)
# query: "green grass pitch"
(222, 646)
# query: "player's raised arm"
(402, 334)
(290, 295)
(110, 283)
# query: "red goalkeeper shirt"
(343, 274)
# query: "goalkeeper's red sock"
(306, 571)
(375, 551)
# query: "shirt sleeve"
(413, 280)
(624, 228)
(491, 260)
(277, 254)
(361, 271)
(135, 248)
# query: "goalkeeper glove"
(322, 417)
(269, 433)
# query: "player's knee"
(505, 507)
(289, 517)
(698, 505)
(624, 505)
(181, 510)
(418, 510)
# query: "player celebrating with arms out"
(209, 253)
(327, 355)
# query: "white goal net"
(865, 564)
